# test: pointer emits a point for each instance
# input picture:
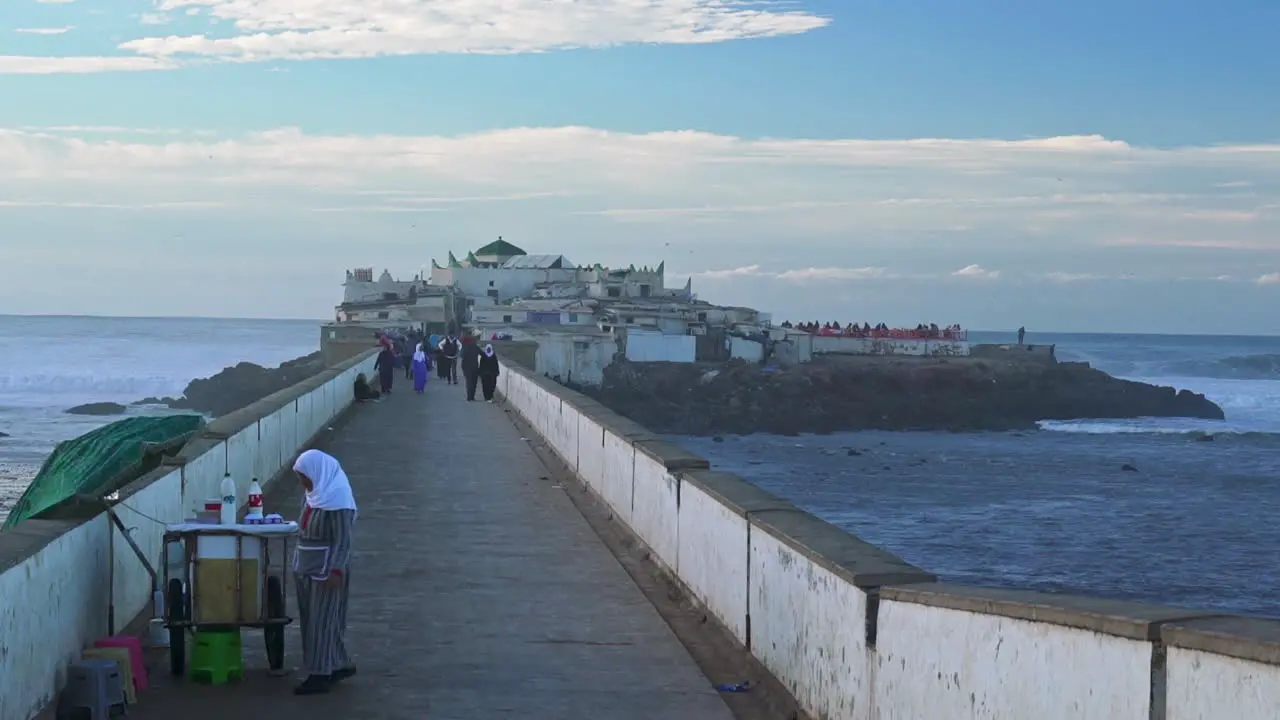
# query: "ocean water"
(1053, 510)
(49, 364)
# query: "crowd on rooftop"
(923, 331)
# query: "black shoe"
(315, 685)
(344, 673)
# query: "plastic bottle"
(228, 500)
(255, 501)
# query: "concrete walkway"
(478, 591)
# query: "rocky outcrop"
(98, 408)
(865, 393)
(240, 385)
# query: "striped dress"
(324, 543)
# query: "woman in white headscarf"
(320, 566)
(419, 369)
(488, 372)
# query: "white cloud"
(45, 31)
(30, 65)
(801, 275)
(1269, 279)
(977, 272)
(683, 189)
(275, 30)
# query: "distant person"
(489, 372)
(419, 369)
(449, 348)
(1022, 335)
(320, 565)
(470, 366)
(408, 359)
(386, 365)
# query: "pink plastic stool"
(134, 645)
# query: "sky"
(1087, 166)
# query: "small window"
(384, 315)
(644, 291)
(493, 294)
(471, 303)
(490, 283)
(615, 292)
(506, 318)
(573, 317)
(581, 346)
(702, 317)
(631, 321)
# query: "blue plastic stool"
(94, 686)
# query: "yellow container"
(214, 576)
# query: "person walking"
(386, 365)
(470, 366)
(419, 370)
(321, 559)
(449, 348)
(489, 372)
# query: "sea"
(50, 364)
(1192, 523)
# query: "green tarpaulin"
(103, 461)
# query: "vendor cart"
(227, 577)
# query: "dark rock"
(717, 438)
(1204, 438)
(1128, 468)
(881, 393)
(243, 384)
(853, 453)
(4, 435)
(154, 401)
(98, 408)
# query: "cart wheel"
(176, 610)
(274, 634)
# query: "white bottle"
(255, 501)
(228, 500)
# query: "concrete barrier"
(64, 583)
(857, 633)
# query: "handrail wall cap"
(1244, 638)
(1120, 618)
(857, 561)
(734, 492)
(670, 455)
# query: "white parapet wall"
(60, 580)
(858, 634)
(838, 345)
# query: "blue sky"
(1083, 166)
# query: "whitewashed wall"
(58, 578)
(656, 347)
(858, 634)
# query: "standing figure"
(489, 372)
(386, 365)
(449, 359)
(1022, 334)
(470, 365)
(419, 370)
(320, 565)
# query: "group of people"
(447, 354)
(923, 331)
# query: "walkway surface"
(478, 591)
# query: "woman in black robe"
(386, 365)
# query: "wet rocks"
(1128, 468)
(880, 393)
(98, 408)
(243, 384)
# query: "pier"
(483, 586)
